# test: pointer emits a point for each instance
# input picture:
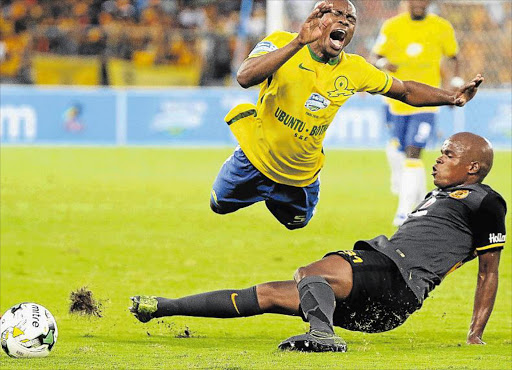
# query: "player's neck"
(418, 17)
(318, 55)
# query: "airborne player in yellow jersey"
(412, 45)
(304, 79)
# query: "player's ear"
(474, 168)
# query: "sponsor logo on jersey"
(289, 120)
(316, 102)
(459, 194)
(500, 238)
(263, 47)
(298, 125)
(318, 130)
(341, 88)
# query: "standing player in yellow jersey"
(412, 45)
(304, 79)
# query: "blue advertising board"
(194, 116)
(182, 116)
(31, 115)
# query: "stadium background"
(111, 135)
(69, 45)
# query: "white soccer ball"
(28, 330)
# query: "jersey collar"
(331, 62)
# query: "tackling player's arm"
(485, 295)
(254, 71)
(421, 95)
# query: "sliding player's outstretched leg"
(143, 307)
(273, 297)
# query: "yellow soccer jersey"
(282, 136)
(417, 48)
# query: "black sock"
(221, 303)
(317, 302)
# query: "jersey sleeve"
(373, 79)
(270, 43)
(450, 46)
(382, 44)
(489, 224)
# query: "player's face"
(340, 33)
(418, 8)
(451, 168)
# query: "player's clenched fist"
(315, 24)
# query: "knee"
(296, 223)
(217, 208)
(301, 273)
(295, 226)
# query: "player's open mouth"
(434, 171)
(337, 39)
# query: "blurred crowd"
(205, 32)
(146, 32)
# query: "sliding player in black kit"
(376, 286)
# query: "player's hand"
(391, 67)
(385, 65)
(468, 91)
(474, 339)
(314, 26)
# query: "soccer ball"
(28, 330)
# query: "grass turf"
(126, 221)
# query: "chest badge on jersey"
(316, 102)
(341, 88)
(459, 194)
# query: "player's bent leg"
(279, 297)
(220, 209)
(413, 184)
(294, 206)
(317, 300)
(236, 185)
(395, 159)
(413, 181)
(334, 269)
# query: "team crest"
(316, 102)
(341, 88)
(459, 194)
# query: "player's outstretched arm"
(254, 71)
(421, 95)
(485, 295)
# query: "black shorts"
(380, 299)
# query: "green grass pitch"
(126, 221)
